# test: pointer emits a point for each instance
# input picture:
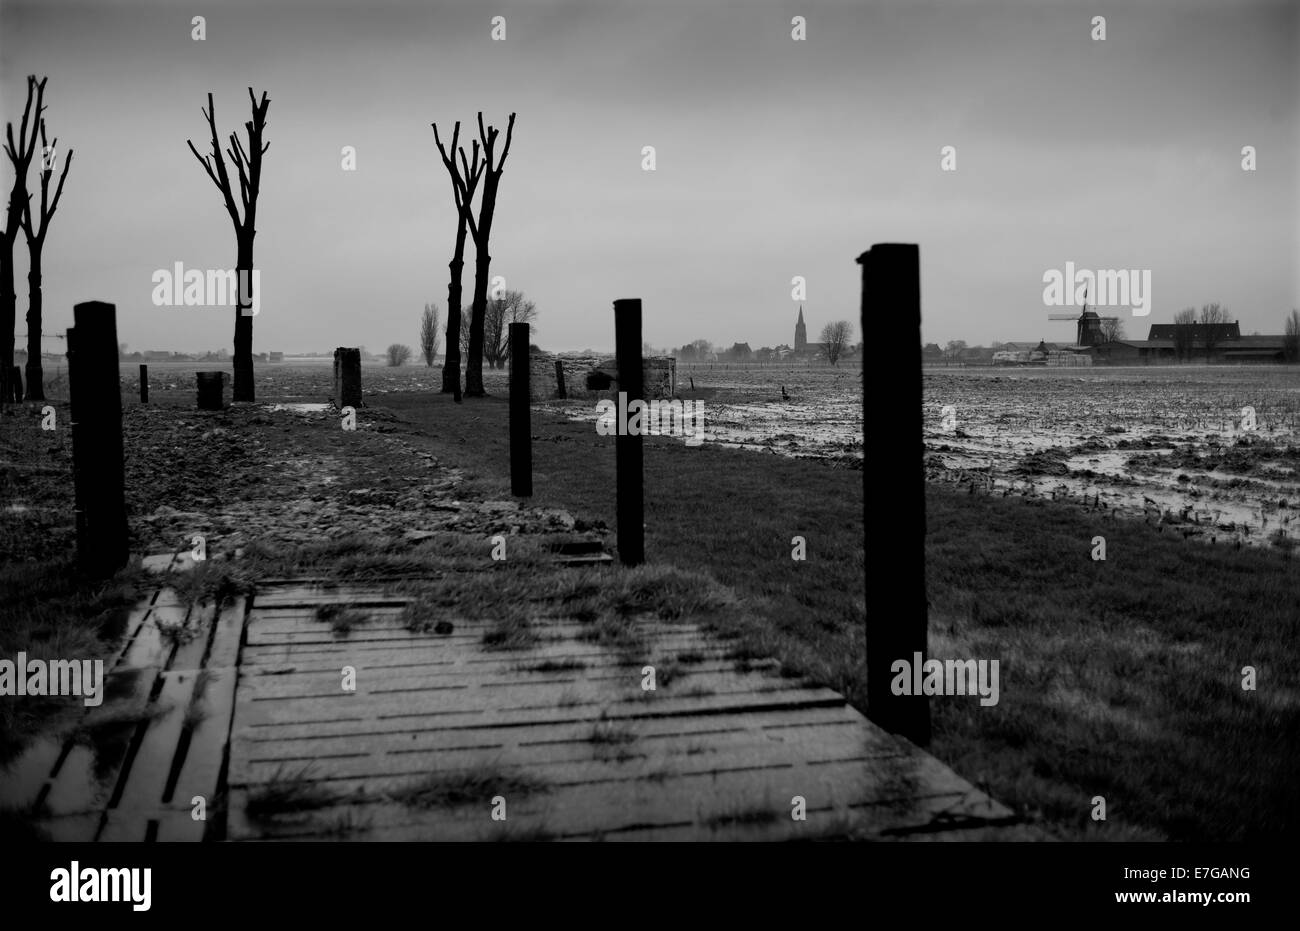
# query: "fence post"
(521, 449)
(559, 379)
(627, 449)
(16, 380)
(212, 390)
(896, 615)
(98, 469)
(144, 384)
(347, 378)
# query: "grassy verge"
(1120, 678)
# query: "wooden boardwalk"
(245, 707)
(136, 764)
(441, 730)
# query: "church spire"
(800, 315)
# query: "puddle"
(309, 408)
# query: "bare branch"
(213, 161)
(510, 130)
(58, 192)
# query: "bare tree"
(397, 354)
(248, 162)
(834, 337)
(20, 152)
(511, 307)
(1184, 321)
(481, 231)
(1112, 329)
(464, 181)
(1214, 320)
(1291, 341)
(35, 234)
(464, 334)
(429, 333)
(955, 348)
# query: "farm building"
(1171, 342)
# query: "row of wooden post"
(896, 613)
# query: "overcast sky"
(775, 158)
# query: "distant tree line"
(509, 307)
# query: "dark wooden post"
(144, 383)
(98, 467)
(521, 448)
(895, 562)
(75, 393)
(16, 381)
(347, 377)
(560, 390)
(627, 449)
(212, 391)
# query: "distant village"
(1101, 341)
(837, 349)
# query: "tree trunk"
(451, 365)
(8, 313)
(243, 389)
(474, 366)
(35, 378)
(482, 261)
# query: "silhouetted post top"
(885, 247)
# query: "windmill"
(1092, 330)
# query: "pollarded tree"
(464, 181)
(248, 162)
(20, 152)
(482, 232)
(35, 235)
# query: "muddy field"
(1175, 446)
(744, 408)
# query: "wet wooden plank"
(193, 646)
(131, 630)
(200, 771)
(571, 754)
(761, 798)
(228, 635)
(289, 680)
(465, 705)
(356, 722)
(151, 767)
